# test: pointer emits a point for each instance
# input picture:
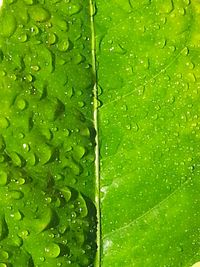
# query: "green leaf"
(99, 133)
(47, 185)
(148, 70)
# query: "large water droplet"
(3, 178)
(39, 14)
(8, 25)
(52, 250)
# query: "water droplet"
(35, 68)
(8, 25)
(3, 178)
(63, 46)
(31, 159)
(135, 127)
(23, 38)
(185, 51)
(171, 100)
(182, 11)
(4, 122)
(26, 147)
(78, 59)
(13, 77)
(66, 193)
(191, 77)
(21, 181)
(34, 30)
(128, 126)
(21, 104)
(16, 159)
(39, 14)
(190, 65)
(161, 43)
(44, 153)
(118, 49)
(167, 6)
(23, 234)
(52, 38)
(4, 255)
(16, 194)
(81, 104)
(48, 200)
(79, 152)
(74, 9)
(52, 250)
(62, 24)
(17, 215)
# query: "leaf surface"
(148, 73)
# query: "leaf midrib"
(96, 127)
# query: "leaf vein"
(145, 214)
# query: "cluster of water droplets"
(46, 138)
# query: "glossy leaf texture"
(148, 67)
(47, 185)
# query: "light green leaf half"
(148, 55)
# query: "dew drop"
(21, 104)
(3, 178)
(191, 77)
(4, 122)
(4, 255)
(16, 194)
(16, 159)
(8, 25)
(17, 216)
(135, 127)
(39, 14)
(52, 250)
(26, 147)
(78, 59)
(62, 24)
(52, 38)
(185, 51)
(34, 30)
(66, 193)
(79, 152)
(74, 9)
(23, 38)
(63, 46)
(35, 68)
(23, 234)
